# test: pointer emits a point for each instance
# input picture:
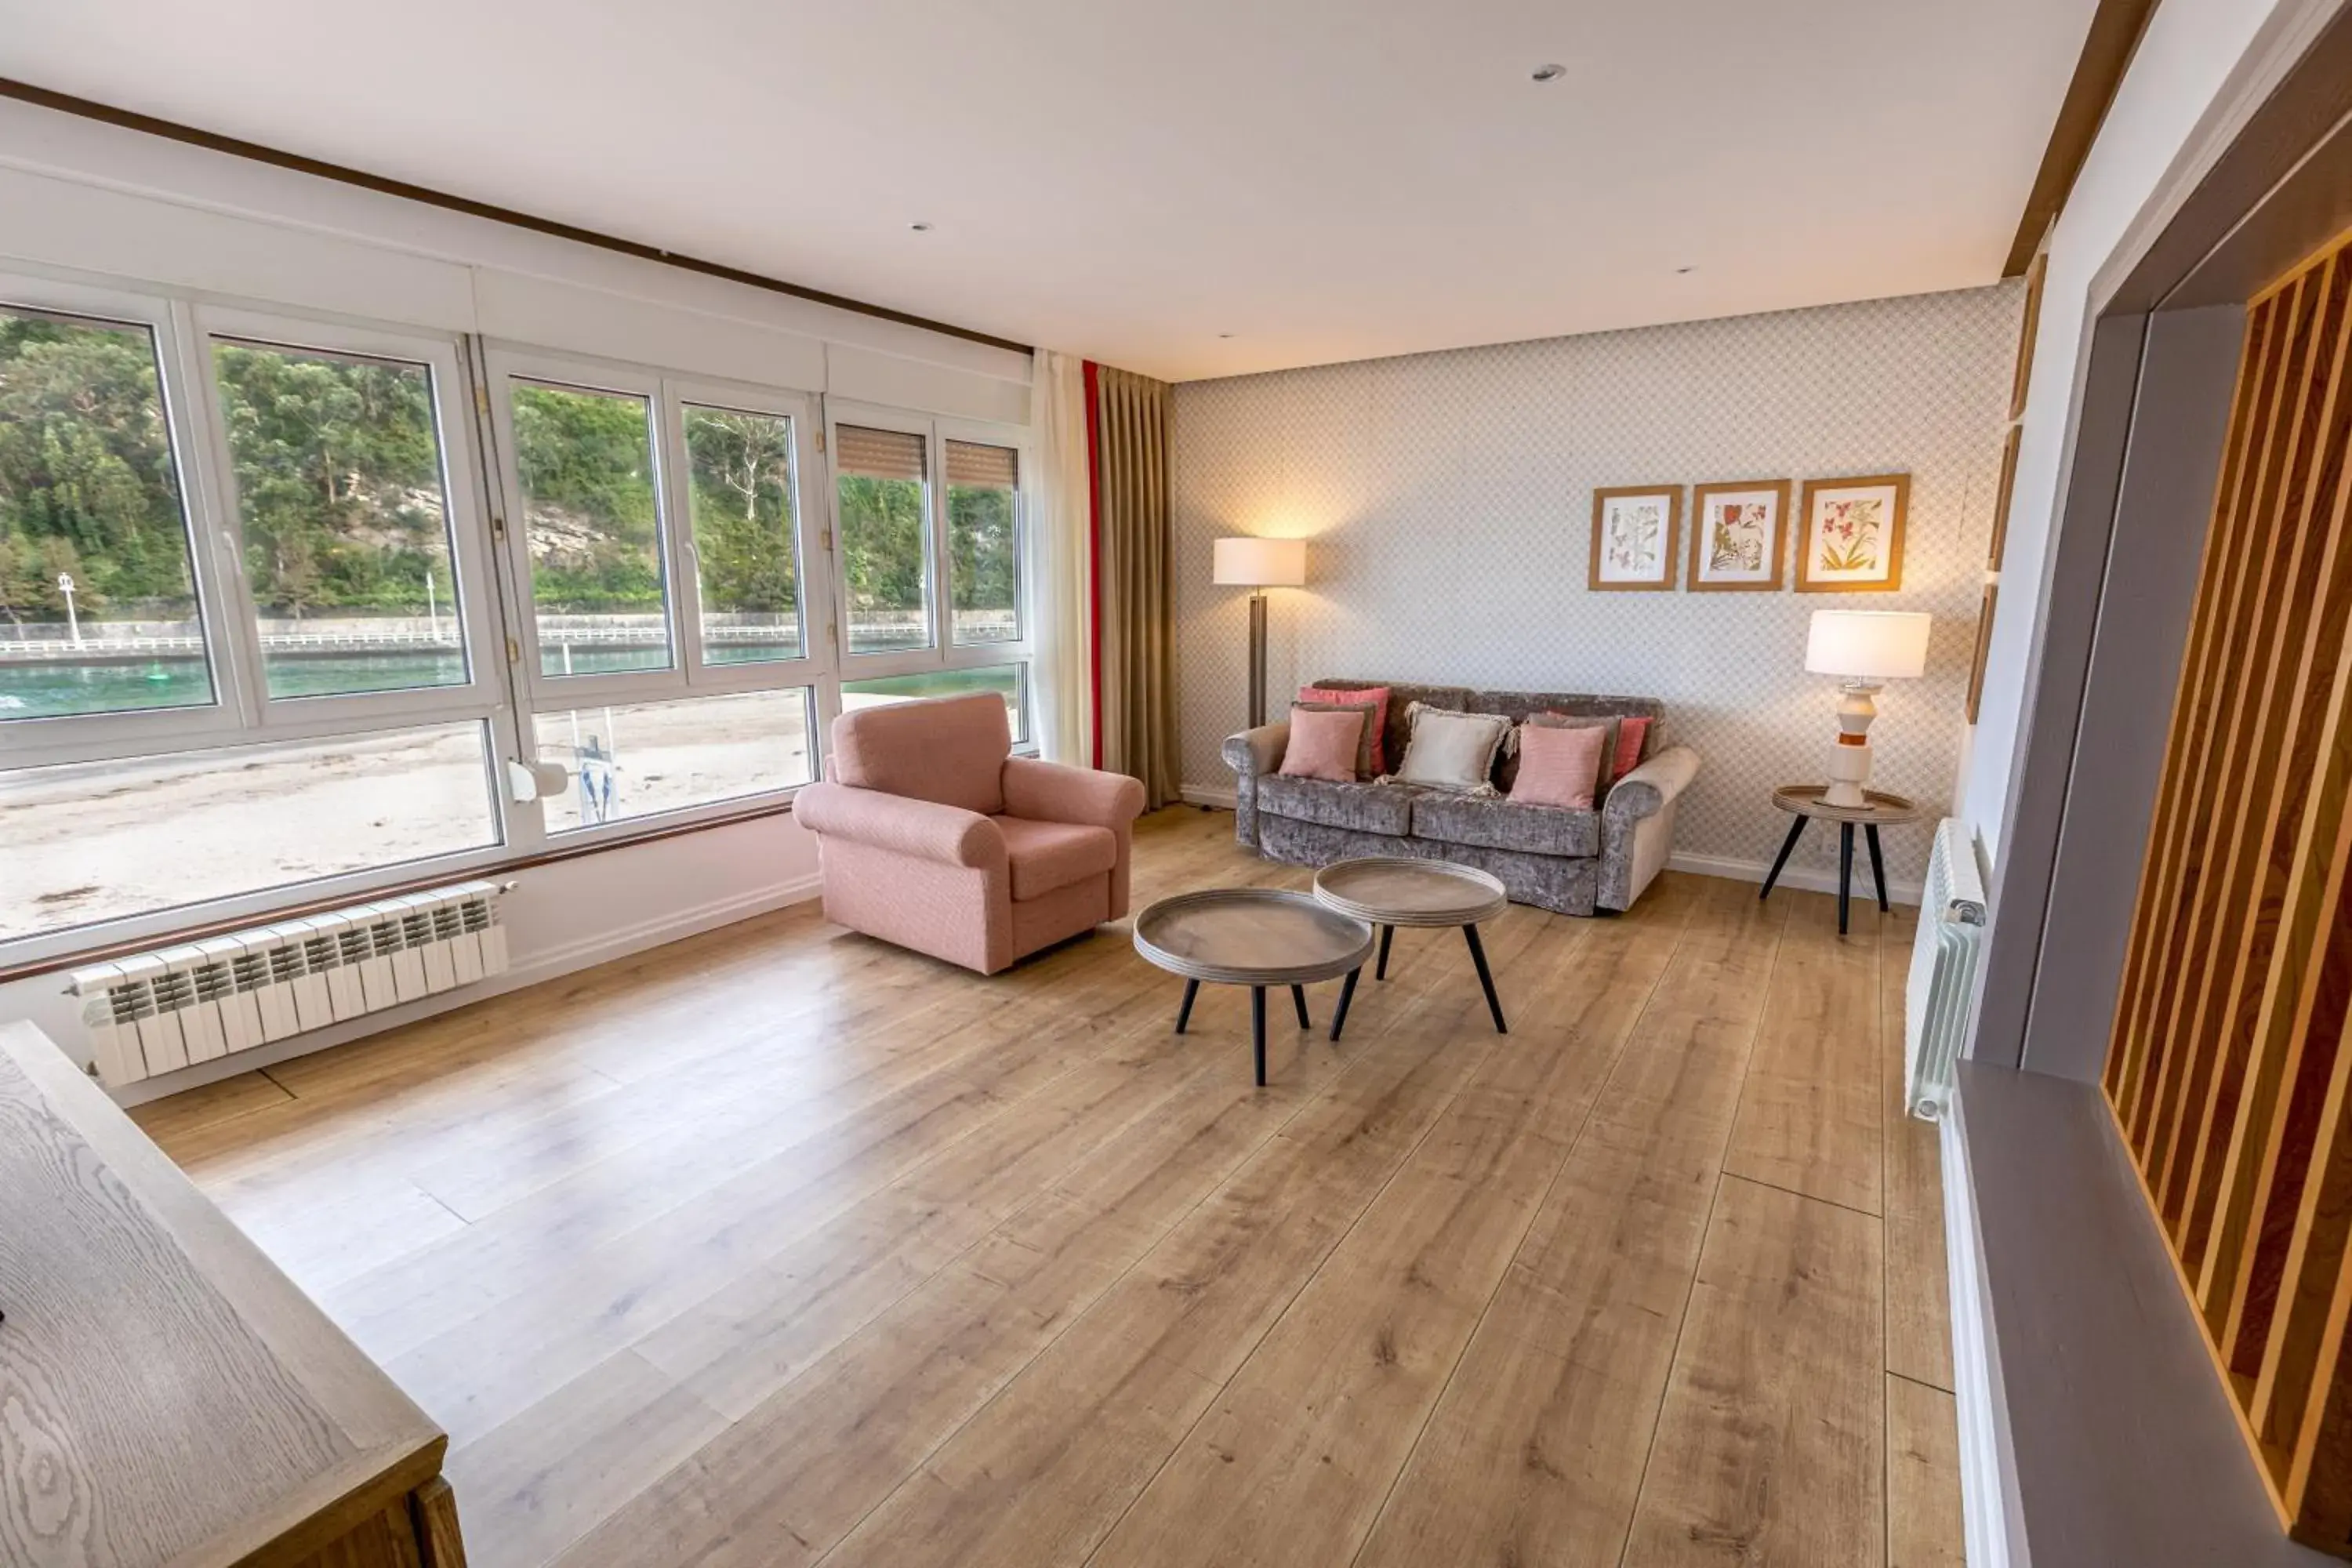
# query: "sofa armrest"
(1055, 791)
(1258, 751)
(1650, 788)
(924, 829)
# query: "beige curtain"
(1065, 517)
(1138, 583)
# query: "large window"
(98, 595)
(288, 602)
(338, 466)
(923, 502)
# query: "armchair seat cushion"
(1366, 808)
(1505, 823)
(1045, 856)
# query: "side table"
(1804, 803)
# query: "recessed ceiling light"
(1551, 72)
(920, 227)
(1680, 270)
(1224, 334)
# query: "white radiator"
(1943, 970)
(157, 1012)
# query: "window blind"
(878, 454)
(983, 467)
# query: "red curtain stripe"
(1094, 548)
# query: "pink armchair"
(931, 835)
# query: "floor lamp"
(1249, 561)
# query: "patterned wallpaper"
(1449, 499)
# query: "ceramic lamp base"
(1849, 758)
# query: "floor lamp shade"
(1250, 562)
(1867, 649)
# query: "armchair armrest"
(1651, 787)
(924, 829)
(1258, 751)
(1054, 792)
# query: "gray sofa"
(1572, 862)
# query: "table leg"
(1381, 970)
(1185, 1013)
(1347, 994)
(1846, 870)
(1299, 1000)
(1877, 867)
(1257, 1030)
(1485, 978)
(1788, 846)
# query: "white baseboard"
(1808, 878)
(1992, 1532)
(1204, 795)
(548, 964)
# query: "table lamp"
(1868, 647)
(1261, 563)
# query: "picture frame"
(1636, 538)
(1984, 649)
(1850, 534)
(2002, 497)
(2037, 273)
(1738, 536)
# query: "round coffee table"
(1255, 937)
(1804, 803)
(1389, 891)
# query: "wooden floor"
(781, 1246)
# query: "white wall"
(2202, 66)
(1449, 499)
(122, 206)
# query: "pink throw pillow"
(1630, 733)
(1376, 694)
(1322, 745)
(1557, 767)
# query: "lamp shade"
(1249, 561)
(1868, 644)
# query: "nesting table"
(1389, 891)
(1260, 937)
(1255, 937)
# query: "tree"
(585, 460)
(740, 473)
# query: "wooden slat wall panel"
(2229, 1069)
(2202, 676)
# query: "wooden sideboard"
(167, 1396)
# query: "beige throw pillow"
(1449, 750)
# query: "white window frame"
(690, 675)
(945, 653)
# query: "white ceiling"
(1322, 179)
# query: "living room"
(1415, 789)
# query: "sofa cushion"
(1503, 824)
(1325, 744)
(1043, 855)
(1368, 808)
(1396, 730)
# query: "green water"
(38, 690)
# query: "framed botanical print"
(1737, 533)
(1635, 532)
(1984, 649)
(1850, 537)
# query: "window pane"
(93, 841)
(663, 756)
(984, 541)
(594, 527)
(339, 484)
(98, 601)
(741, 505)
(886, 540)
(1007, 680)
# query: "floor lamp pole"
(1257, 660)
